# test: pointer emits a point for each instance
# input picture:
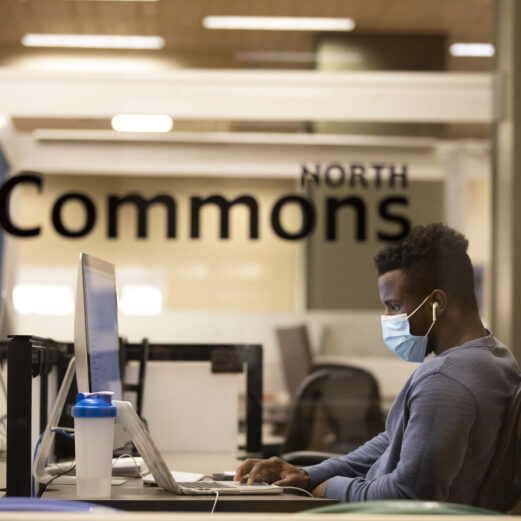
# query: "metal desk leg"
(19, 382)
(253, 357)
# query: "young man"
(441, 431)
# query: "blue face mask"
(397, 335)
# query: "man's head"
(432, 261)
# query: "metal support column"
(506, 302)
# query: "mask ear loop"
(421, 304)
(434, 317)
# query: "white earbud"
(434, 306)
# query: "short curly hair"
(433, 257)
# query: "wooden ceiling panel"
(179, 21)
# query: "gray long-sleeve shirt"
(440, 433)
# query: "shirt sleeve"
(441, 414)
(356, 463)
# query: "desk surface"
(134, 496)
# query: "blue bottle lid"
(94, 405)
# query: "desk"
(30, 356)
(133, 496)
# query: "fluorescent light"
(279, 23)
(472, 49)
(142, 123)
(140, 299)
(43, 299)
(93, 41)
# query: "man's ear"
(439, 297)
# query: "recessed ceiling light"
(93, 41)
(278, 23)
(472, 49)
(142, 123)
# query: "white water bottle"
(94, 417)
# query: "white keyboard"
(186, 477)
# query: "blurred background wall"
(249, 108)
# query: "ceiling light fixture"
(278, 23)
(93, 41)
(142, 123)
(472, 49)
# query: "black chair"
(501, 489)
(295, 352)
(336, 409)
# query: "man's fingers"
(242, 472)
(286, 482)
(294, 478)
(255, 473)
(264, 471)
(260, 471)
(290, 480)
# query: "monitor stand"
(45, 447)
(46, 443)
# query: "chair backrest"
(296, 355)
(501, 489)
(336, 409)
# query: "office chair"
(501, 489)
(336, 409)
(296, 355)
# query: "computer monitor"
(96, 349)
(4, 319)
(96, 343)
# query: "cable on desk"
(66, 429)
(43, 486)
(307, 492)
(67, 434)
(136, 464)
(34, 457)
(215, 502)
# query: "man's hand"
(274, 471)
